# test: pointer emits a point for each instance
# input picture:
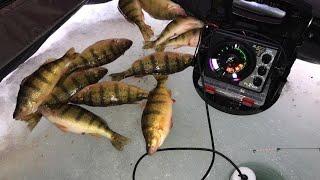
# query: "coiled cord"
(214, 152)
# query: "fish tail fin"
(119, 76)
(124, 15)
(118, 141)
(149, 44)
(32, 120)
(161, 78)
(146, 31)
(32, 123)
(160, 48)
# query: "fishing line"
(214, 152)
(284, 148)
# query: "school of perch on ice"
(74, 78)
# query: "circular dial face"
(232, 61)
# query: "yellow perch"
(108, 94)
(76, 81)
(190, 38)
(162, 9)
(159, 63)
(132, 11)
(156, 119)
(36, 88)
(72, 118)
(102, 52)
(67, 87)
(175, 28)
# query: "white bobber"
(245, 171)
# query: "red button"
(210, 89)
(247, 101)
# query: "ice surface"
(47, 153)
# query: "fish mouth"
(75, 98)
(19, 113)
(104, 71)
(16, 114)
(151, 150)
(126, 42)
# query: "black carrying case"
(26, 24)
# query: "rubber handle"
(261, 9)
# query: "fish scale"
(108, 94)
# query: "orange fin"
(174, 101)
(177, 9)
(143, 104)
(177, 47)
(95, 135)
(61, 127)
(170, 92)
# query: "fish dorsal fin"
(71, 53)
(49, 60)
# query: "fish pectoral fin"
(170, 92)
(143, 18)
(173, 100)
(61, 127)
(177, 47)
(95, 135)
(177, 9)
(171, 6)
